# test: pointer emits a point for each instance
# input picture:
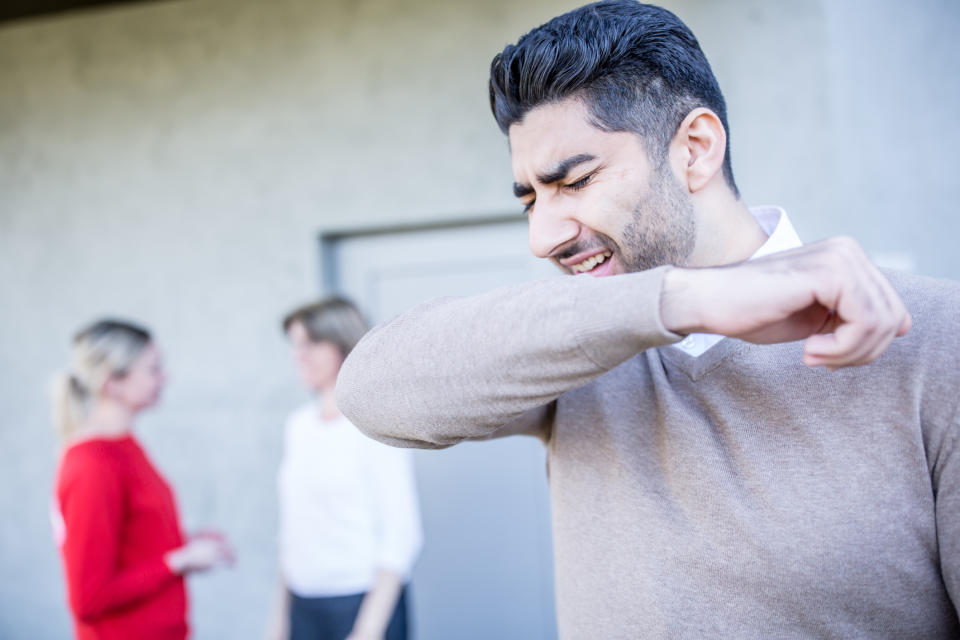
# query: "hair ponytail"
(104, 349)
(70, 400)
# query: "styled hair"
(334, 319)
(102, 350)
(637, 68)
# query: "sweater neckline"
(698, 367)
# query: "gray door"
(486, 570)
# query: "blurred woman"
(115, 516)
(349, 520)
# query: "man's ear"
(698, 148)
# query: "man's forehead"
(550, 133)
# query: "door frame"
(327, 239)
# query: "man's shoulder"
(929, 349)
(934, 303)
(907, 282)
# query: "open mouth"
(592, 263)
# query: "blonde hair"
(102, 350)
(333, 319)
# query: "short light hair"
(333, 319)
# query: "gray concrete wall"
(174, 162)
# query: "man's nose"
(552, 225)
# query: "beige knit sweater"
(735, 495)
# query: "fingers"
(209, 533)
(850, 345)
(222, 553)
(828, 292)
(227, 554)
(217, 544)
(205, 553)
(201, 553)
(869, 313)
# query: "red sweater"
(119, 520)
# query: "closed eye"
(573, 186)
(581, 183)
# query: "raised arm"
(464, 368)
(469, 368)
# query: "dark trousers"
(332, 618)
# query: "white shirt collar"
(781, 236)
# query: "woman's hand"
(204, 551)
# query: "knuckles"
(843, 251)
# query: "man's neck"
(726, 231)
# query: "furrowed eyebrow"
(559, 172)
(563, 168)
(520, 190)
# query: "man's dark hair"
(637, 67)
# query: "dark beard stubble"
(663, 227)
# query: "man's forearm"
(462, 368)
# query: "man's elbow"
(386, 408)
(406, 443)
(354, 397)
(378, 424)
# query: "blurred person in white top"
(349, 517)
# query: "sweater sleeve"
(476, 367)
(92, 505)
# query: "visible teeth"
(591, 262)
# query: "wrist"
(679, 302)
(369, 625)
(368, 628)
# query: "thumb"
(818, 345)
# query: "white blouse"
(348, 507)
